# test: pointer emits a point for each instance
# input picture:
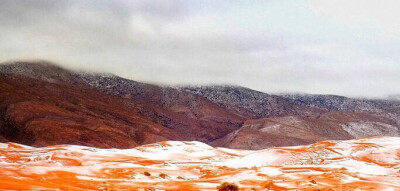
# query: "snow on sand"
(363, 164)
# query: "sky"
(343, 47)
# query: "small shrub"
(180, 177)
(162, 175)
(147, 173)
(269, 185)
(226, 186)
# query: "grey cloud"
(181, 42)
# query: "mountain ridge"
(229, 116)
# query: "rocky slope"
(40, 113)
(341, 103)
(251, 103)
(299, 130)
(363, 164)
(299, 119)
(188, 113)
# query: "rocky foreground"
(363, 164)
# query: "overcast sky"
(346, 47)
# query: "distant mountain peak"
(395, 97)
(43, 70)
(29, 64)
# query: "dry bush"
(162, 175)
(226, 186)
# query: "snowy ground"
(363, 164)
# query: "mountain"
(42, 104)
(39, 70)
(41, 113)
(282, 120)
(362, 164)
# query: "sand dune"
(364, 164)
